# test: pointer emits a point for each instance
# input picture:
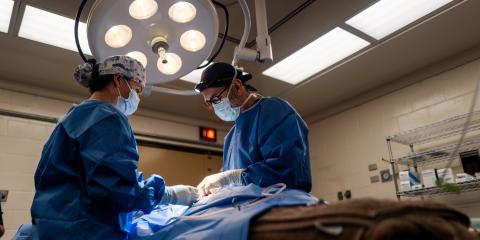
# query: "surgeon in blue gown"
(87, 175)
(268, 143)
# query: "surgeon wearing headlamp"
(268, 143)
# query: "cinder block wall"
(344, 144)
(21, 143)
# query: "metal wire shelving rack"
(428, 134)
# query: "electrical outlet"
(348, 194)
(340, 196)
(372, 167)
(3, 195)
(374, 179)
(386, 175)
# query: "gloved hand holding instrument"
(219, 180)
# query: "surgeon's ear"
(235, 85)
(238, 85)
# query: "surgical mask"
(130, 105)
(224, 109)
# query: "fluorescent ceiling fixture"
(195, 75)
(387, 16)
(315, 57)
(46, 27)
(6, 7)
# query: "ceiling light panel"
(317, 56)
(49, 28)
(6, 7)
(387, 16)
(195, 75)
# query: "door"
(177, 167)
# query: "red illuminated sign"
(208, 134)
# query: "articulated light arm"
(263, 54)
(264, 43)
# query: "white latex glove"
(219, 180)
(180, 195)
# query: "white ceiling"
(35, 64)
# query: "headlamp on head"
(220, 75)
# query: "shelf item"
(470, 161)
(464, 187)
(429, 178)
(437, 154)
(436, 131)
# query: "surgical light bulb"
(118, 36)
(139, 56)
(182, 12)
(193, 40)
(170, 64)
(143, 9)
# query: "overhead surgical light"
(193, 40)
(139, 56)
(118, 36)
(143, 9)
(120, 27)
(170, 64)
(182, 12)
(176, 35)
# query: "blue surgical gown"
(87, 176)
(270, 141)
